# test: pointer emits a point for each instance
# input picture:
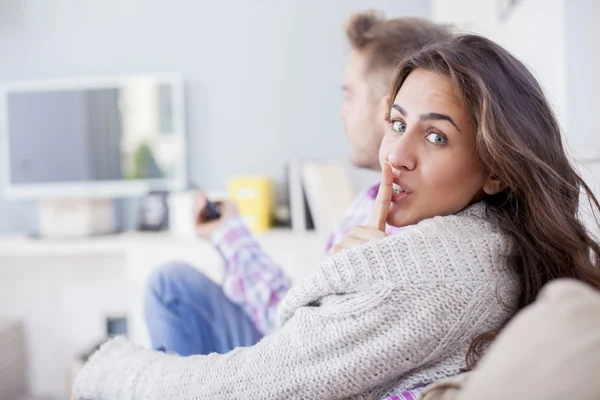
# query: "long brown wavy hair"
(519, 140)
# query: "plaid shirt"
(256, 283)
(405, 395)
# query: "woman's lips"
(399, 198)
(400, 191)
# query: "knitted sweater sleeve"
(363, 319)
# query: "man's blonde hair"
(386, 42)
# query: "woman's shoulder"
(463, 246)
(462, 250)
(460, 247)
(473, 224)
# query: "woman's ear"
(493, 185)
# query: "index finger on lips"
(383, 200)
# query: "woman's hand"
(375, 228)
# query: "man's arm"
(252, 279)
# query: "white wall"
(559, 41)
(477, 16)
(583, 66)
(263, 76)
(534, 32)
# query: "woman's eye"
(398, 126)
(437, 138)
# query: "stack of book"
(319, 194)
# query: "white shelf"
(26, 246)
(63, 289)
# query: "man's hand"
(205, 227)
(375, 228)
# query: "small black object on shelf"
(154, 212)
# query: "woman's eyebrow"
(399, 108)
(427, 117)
(437, 117)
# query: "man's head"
(377, 47)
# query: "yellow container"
(253, 196)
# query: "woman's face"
(430, 145)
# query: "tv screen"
(113, 132)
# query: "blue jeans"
(187, 313)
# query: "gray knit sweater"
(400, 312)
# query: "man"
(186, 312)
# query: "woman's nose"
(403, 153)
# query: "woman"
(474, 168)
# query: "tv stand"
(67, 218)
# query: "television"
(86, 138)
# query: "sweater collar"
(474, 210)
